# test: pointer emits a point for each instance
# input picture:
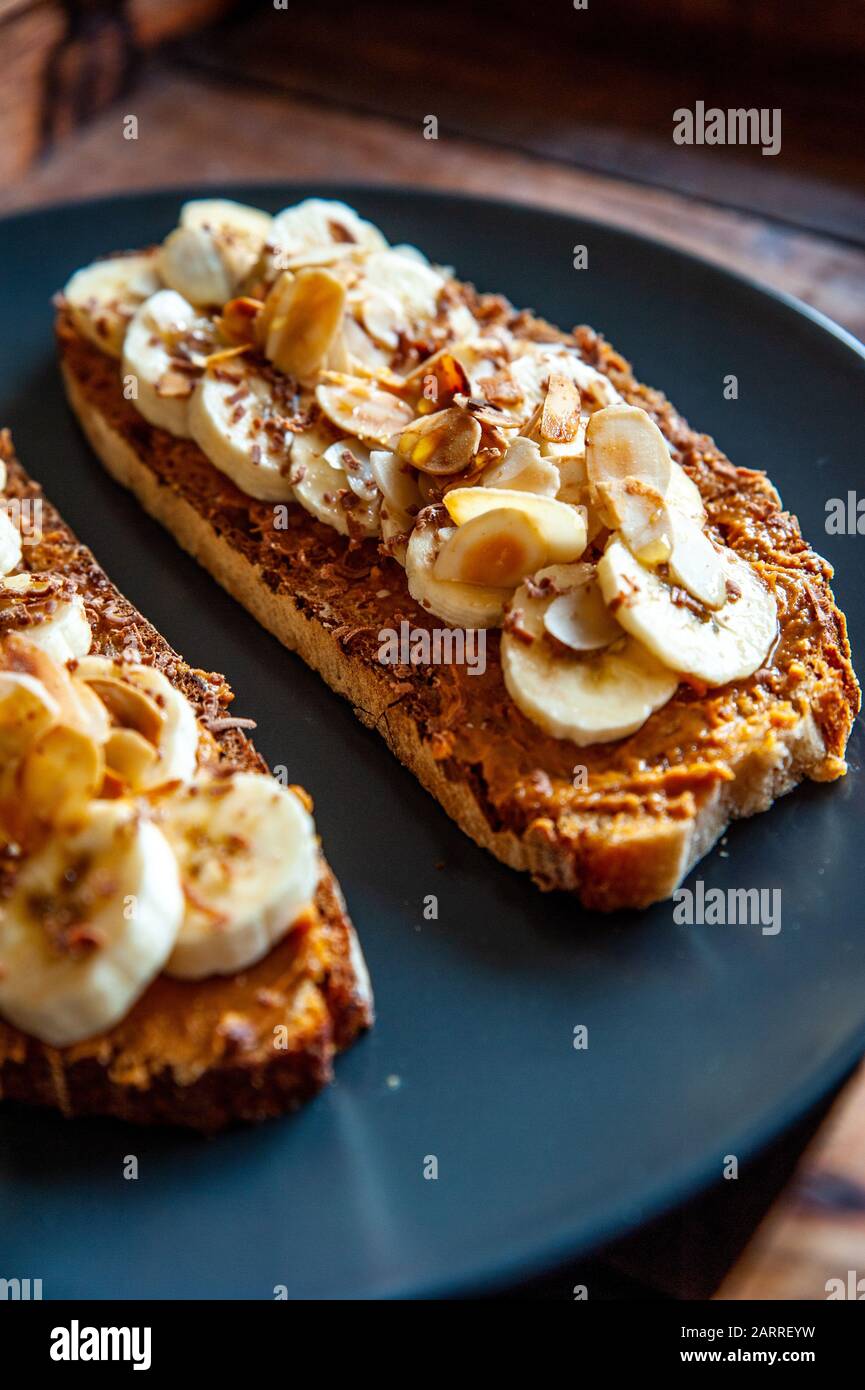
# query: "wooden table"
(194, 129)
(199, 121)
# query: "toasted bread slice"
(206, 1053)
(644, 809)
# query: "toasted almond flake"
(174, 385)
(359, 408)
(300, 320)
(560, 413)
(442, 443)
(129, 706)
(214, 359)
(237, 322)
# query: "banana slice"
(396, 480)
(78, 707)
(525, 469)
(401, 500)
(319, 232)
(91, 920)
(249, 866)
(460, 605)
(395, 530)
(561, 527)
(147, 358)
(27, 710)
(192, 265)
(623, 442)
(353, 351)
(593, 696)
(215, 247)
(319, 221)
(638, 489)
(714, 647)
(354, 459)
(684, 496)
(398, 294)
(229, 419)
(141, 699)
(234, 223)
(103, 297)
(330, 484)
(570, 460)
(46, 610)
(303, 314)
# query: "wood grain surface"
(812, 1243)
(197, 130)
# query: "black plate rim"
(185, 192)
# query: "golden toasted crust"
(643, 810)
(208, 1053)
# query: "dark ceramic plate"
(703, 1041)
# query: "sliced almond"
(26, 585)
(360, 408)
(77, 709)
(396, 480)
(695, 564)
(27, 711)
(306, 316)
(500, 388)
(622, 442)
(129, 706)
(637, 510)
(560, 413)
(384, 318)
(353, 459)
(442, 443)
(443, 377)
(130, 756)
(222, 355)
(443, 369)
(174, 385)
(580, 620)
(238, 319)
(731, 645)
(59, 775)
(359, 348)
(524, 468)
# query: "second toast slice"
(202, 1053)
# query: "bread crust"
(210, 1053)
(629, 835)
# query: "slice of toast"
(619, 824)
(205, 1053)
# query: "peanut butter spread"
(522, 778)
